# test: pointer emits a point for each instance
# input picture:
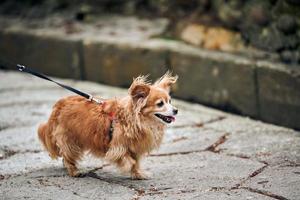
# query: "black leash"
(22, 68)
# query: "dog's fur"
(77, 125)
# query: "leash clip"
(91, 98)
(21, 67)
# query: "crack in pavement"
(245, 157)
(9, 153)
(156, 191)
(290, 164)
(18, 125)
(4, 127)
(258, 171)
(237, 155)
(97, 168)
(2, 177)
(47, 183)
(253, 174)
(216, 189)
(265, 193)
(66, 175)
(179, 139)
(176, 153)
(212, 148)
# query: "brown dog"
(121, 130)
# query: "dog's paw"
(76, 174)
(140, 175)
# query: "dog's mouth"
(167, 119)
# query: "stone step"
(115, 49)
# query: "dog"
(121, 130)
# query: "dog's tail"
(49, 142)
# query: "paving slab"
(248, 138)
(281, 180)
(187, 139)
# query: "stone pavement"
(206, 154)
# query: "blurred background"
(238, 56)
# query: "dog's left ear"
(139, 89)
(166, 81)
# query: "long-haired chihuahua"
(121, 130)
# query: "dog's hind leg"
(70, 151)
(70, 163)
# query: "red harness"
(112, 118)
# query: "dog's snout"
(175, 111)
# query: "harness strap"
(111, 130)
(112, 118)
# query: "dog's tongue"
(172, 118)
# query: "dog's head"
(153, 100)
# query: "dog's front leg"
(126, 163)
(119, 155)
(136, 171)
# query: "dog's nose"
(175, 111)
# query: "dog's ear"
(139, 88)
(140, 91)
(166, 81)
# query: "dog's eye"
(160, 104)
